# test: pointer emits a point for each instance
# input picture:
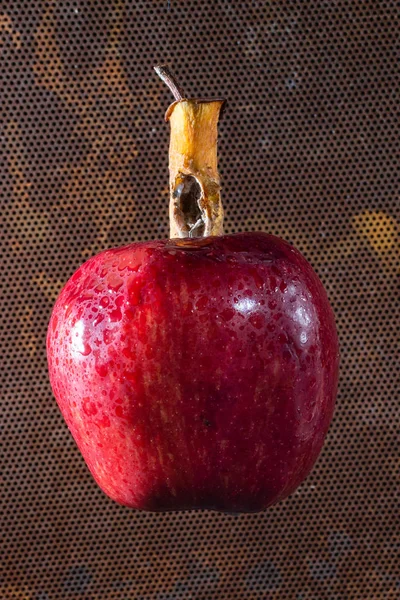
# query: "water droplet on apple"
(272, 304)
(102, 370)
(227, 314)
(201, 303)
(114, 281)
(89, 407)
(103, 422)
(258, 280)
(129, 352)
(98, 320)
(108, 336)
(115, 315)
(257, 320)
(135, 292)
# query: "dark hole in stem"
(187, 195)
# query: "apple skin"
(196, 373)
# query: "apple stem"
(166, 75)
(195, 198)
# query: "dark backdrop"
(309, 150)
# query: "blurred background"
(309, 150)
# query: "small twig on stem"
(166, 75)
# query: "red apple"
(196, 372)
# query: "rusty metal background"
(309, 150)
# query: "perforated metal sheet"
(309, 150)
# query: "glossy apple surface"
(196, 373)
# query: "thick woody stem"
(195, 201)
